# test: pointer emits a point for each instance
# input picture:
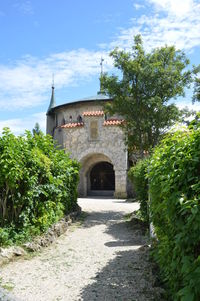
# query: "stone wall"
(109, 145)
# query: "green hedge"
(38, 185)
(137, 175)
(174, 174)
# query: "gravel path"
(100, 260)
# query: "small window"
(93, 130)
(79, 119)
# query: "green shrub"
(137, 175)
(38, 185)
(174, 175)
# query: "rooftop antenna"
(101, 64)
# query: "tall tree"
(36, 130)
(142, 91)
(196, 96)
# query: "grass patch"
(9, 286)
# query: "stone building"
(95, 140)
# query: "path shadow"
(124, 233)
(123, 243)
(126, 277)
(103, 197)
(104, 217)
(126, 201)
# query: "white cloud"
(138, 6)
(26, 83)
(175, 7)
(185, 104)
(24, 6)
(174, 22)
(19, 125)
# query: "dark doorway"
(102, 177)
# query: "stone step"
(101, 193)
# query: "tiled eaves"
(113, 122)
(93, 113)
(72, 125)
(109, 122)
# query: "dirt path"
(100, 260)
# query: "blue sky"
(68, 38)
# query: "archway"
(102, 177)
(97, 166)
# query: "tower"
(51, 116)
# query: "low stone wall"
(56, 230)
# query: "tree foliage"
(196, 96)
(195, 123)
(38, 185)
(174, 174)
(142, 91)
(138, 176)
(36, 129)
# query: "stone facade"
(83, 130)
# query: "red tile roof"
(93, 113)
(113, 122)
(71, 125)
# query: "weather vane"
(52, 80)
(101, 64)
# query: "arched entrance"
(102, 177)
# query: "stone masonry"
(83, 130)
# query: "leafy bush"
(38, 185)
(137, 175)
(174, 175)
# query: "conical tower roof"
(52, 102)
